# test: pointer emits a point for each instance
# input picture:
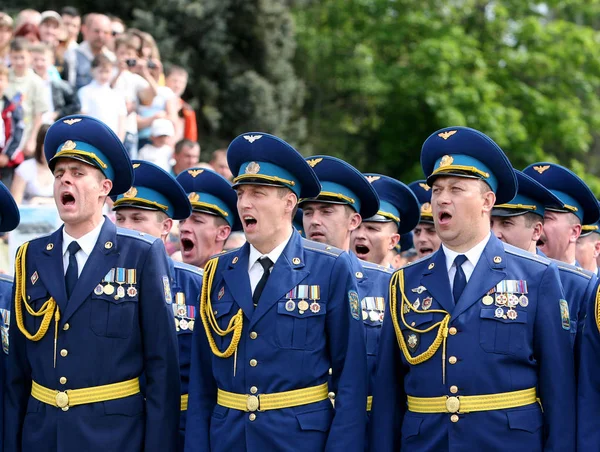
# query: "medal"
(290, 305)
(109, 289)
(373, 316)
(302, 305)
(381, 316)
(120, 292)
(499, 313)
(181, 311)
(487, 300)
(120, 280)
(191, 325)
(130, 274)
(183, 324)
(513, 300)
(131, 291)
(501, 299)
(365, 314)
(417, 303)
(99, 289)
(511, 314)
(524, 301)
(315, 307)
(426, 303)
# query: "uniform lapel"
(287, 273)
(103, 258)
(237, 280)
(488, 272)
(364, 284)
(435, 280)
(51, 269)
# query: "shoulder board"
(187, 267)
(224, 253)
(371, 266)
(510, 249)
(418, 261)
(6, 278)
(321, 247)
(137, 235)
(41, 237)
(563, 266)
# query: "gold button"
(453, 389)
(413, 324)
(64, 352)
(253, 389)
(253, 362)
(452, 331)
(63, 380)
(330, 371)
(331, 395)
(253, 335)
(252, 416)
(454, 418)
(66, 326)
(452, 360)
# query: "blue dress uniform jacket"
(100, 341)
(484, 354)
(282, 350)
(185, 285)
(6, 283)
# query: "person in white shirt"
(101, 101)
(159, 152)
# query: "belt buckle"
(252, 403)
(62, 400)
(453, 404)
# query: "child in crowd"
(159, 152)
(101, 101)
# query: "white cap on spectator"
(162, 127)
(51, 15)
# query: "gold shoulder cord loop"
(442, 326)
(208, 318)
(47, 311)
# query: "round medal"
(499, 313)
(109, 289)
(501, 299)
(290, 305)
(487, 300)
(183, 324)
(365, 315)
(302, 305)
(511, 314)
(524, 301)
(315, 307)
(181, 310)
(99, 289)
(131, 291)
(191, 325)
(513, 300)
(373, 316)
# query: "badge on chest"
(303, 298)
(506, 296)
(122, 282)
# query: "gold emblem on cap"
(131, 193)
(446, 135)
(108, 245)
(424, 186)
(68, 146)
(252, 138)
(426, 208)
(136, 165)
(314, 162)
(540, 169)
(72, 121)
(296, 260)
(497, 259)
(372, 179)
(446, 161)
(194, 197)
(235, 259)
(49, 246)
(252, 168)
(431, 266)
(195, 172)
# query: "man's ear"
(107, 186)
(575, 233)
(167, 225)
(355, 221)
(489, 199)
(223, 232)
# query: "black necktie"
(460, 280)
(266, 265)
(72, 270)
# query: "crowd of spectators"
(56, 64)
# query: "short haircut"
(174, 69)
(218, 153)
(40, 47)
(70, 11)
(532, 218)
(573, 219)
(39, 143)
(101, 60)
(161, 216)
(184, 143)
(19, 45)
(3, 70)
(125, 40)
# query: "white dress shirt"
(86, 242)
(468, 266)
(255, 270)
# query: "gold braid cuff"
(208, 317)
(397, 283)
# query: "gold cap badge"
(426, 208)
(131, 193)
(541, 168)
(195, 172)
(314, 162)
(72, 121)
(68, 146)
(424, 186)
(252, 168)
(446, 135)
(136, 165)
(194, 197)
(446, 161)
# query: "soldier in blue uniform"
(90, 315)
(9, 220)
(398, 214)
(149, 207)
(520, 223)
(213, 218)
(587, 251)
(278, 313)
(330, 218)
(425, 237)
(477, 331)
